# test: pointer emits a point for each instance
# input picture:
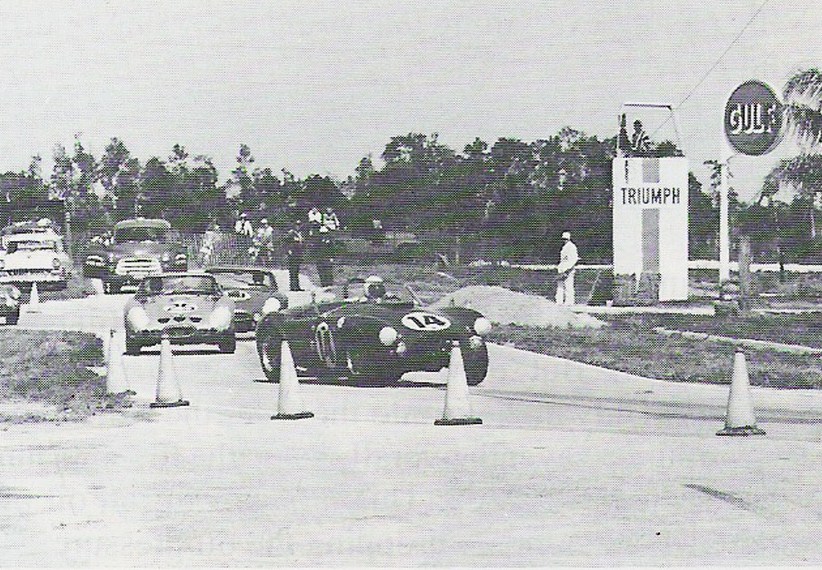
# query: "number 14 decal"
(421, 321)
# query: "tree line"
(509, 199)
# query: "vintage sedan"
(138, 247)
(373, 338)
(254, 291)
(35, 257)
(10, 303)
(190, 307)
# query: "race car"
(190, 307)
(254, 290)
(35, 257)
(374, 338)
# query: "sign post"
(753, 126)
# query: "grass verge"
(45, 376)
(629, 346)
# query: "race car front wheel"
(228, 344)
(269, 349)
(13, 317)
(476, 365)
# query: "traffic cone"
(34, 299)
(739, 419)
(168, 389)
(289, 404)
(116, 382)
(457, 409)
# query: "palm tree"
(803, 120)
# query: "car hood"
(36, 259)
(408, 319)
(250, 300)
(182, 304)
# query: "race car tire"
(228, 345)
(269, 349)
(476, 365)
(12, 318)
(132, 346)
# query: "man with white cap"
(568, 259)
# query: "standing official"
(568, 259)
(296, 242)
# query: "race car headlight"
(388, 335)
(166, 257)
(220, 318)
(482, 326)
(55, 263)
(138, 318)
(14, 293)
(271, 305)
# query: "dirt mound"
(504, 306)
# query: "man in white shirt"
(568, 259)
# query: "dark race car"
(254, 291)
(373, 339)
(191, 307)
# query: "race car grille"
(178, 319)
(138, 266)
(180, 332)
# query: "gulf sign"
(753, 119)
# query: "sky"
(315, 86)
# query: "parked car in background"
(137, 248)
(34, 254)
(254, 292)
(190, 307)
(10, 303)
(374, 338)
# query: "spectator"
(294, 248)
(568, 259)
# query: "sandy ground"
(573, 465)
(505, 307)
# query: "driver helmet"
(374, 287)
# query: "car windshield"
(141, 233)
(244, 279)
(171, 284)
(394, 293)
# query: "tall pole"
(724, 226)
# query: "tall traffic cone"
(457, 409)
(739, 419)
(168, 389)
(116, 382)
(34, 299)
(289, 404)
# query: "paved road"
(573, 465)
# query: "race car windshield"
(243, 279)
(140, 234)
(183, 284)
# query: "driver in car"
(374, 289)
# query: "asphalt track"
(573, 465)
